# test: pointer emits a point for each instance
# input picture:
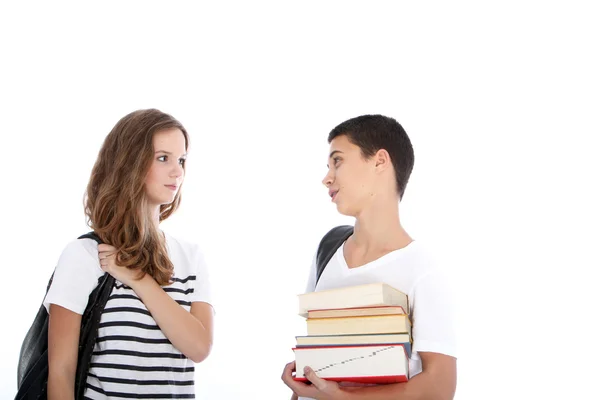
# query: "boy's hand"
(319, 389)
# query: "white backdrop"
(500, 100)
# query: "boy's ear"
(382, 159)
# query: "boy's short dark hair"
(374, 132)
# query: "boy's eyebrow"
(333, 152)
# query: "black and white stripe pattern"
(132, 358)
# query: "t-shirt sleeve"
(311, 283)
(433, 316)
(202, 287)
(75, 276)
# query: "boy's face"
(350, 178)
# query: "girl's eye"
(182, 161)
(162, 158)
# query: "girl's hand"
(107, 256)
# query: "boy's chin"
(344, 210)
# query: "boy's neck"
(379, 228)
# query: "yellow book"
(340, 340)
(399, 323)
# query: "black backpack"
(32, 372)
(329, 245)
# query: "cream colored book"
(356, 312)
(367, 295)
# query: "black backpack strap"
(89, 323)
(91, 235)
(329, 245)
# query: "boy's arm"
(436, 382)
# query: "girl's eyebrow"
(168, 153)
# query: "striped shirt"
(132, 357)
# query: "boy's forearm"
(420, 387)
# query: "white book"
(368, 295)
(365, 364)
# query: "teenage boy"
(370, 161)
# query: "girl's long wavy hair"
(116, 204)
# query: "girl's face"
(166, 172)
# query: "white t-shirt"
(132, 356)
(413, 271)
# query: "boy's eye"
(182, 161)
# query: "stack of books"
(355, 334)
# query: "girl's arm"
(190, 332)
(63, 346)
